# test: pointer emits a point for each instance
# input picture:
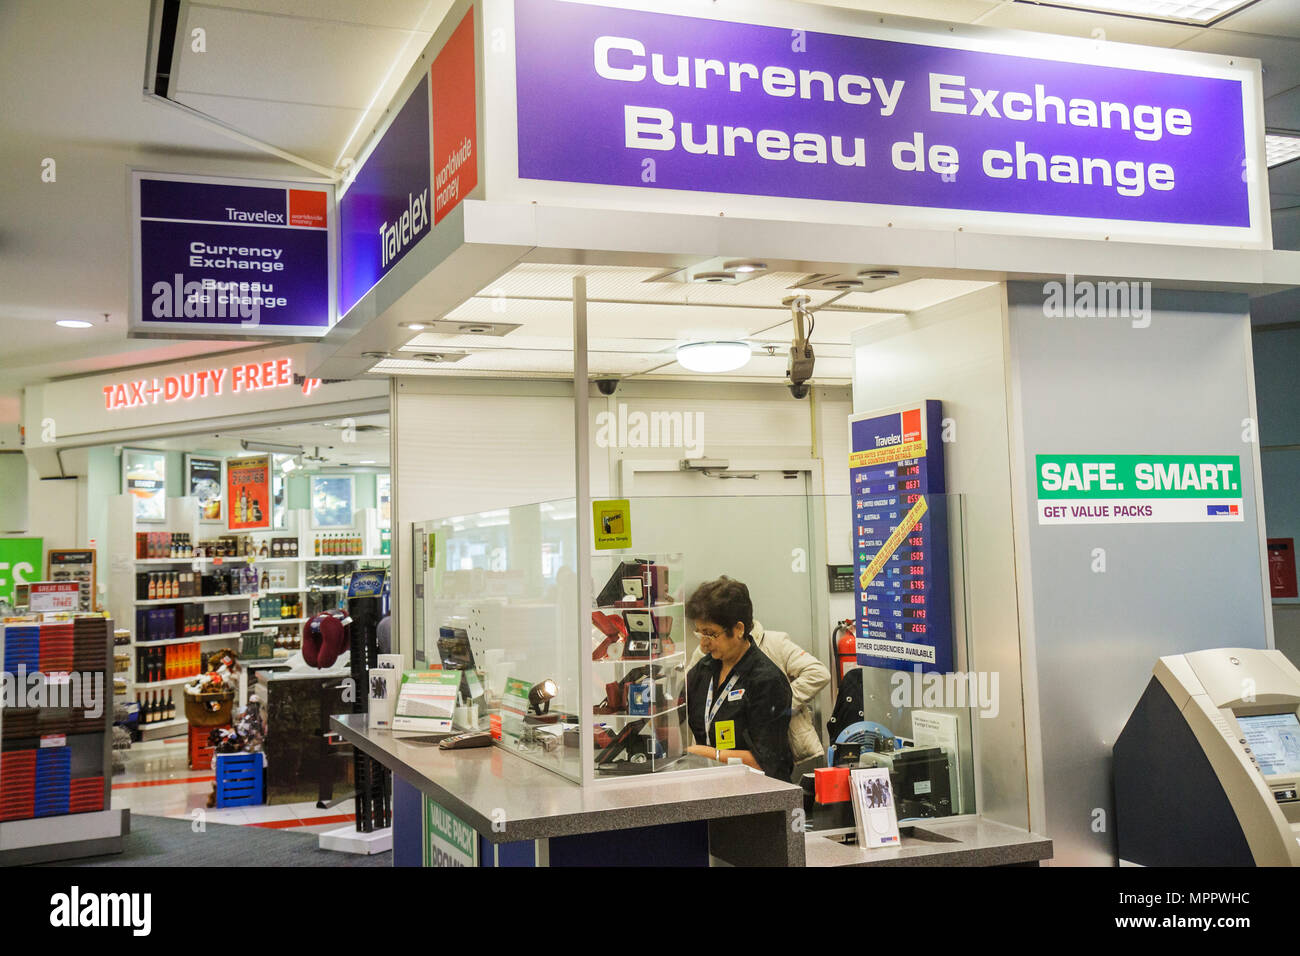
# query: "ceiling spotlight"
(876, 275)
(413, 326)
(843, 285)
(714, 277)
(744, 265)
(713, 356)
(73, 324)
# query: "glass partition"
(506, 580)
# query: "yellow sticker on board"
(724, 735)
(612, 524)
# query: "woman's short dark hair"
(722, 602)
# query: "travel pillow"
(324, 638)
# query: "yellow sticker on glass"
(724, 735)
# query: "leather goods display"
(614, 630)
(325, 637)
(647, 635)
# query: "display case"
(638, 662)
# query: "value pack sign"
(900, 539)
(632, 98)
(1138, 489)
(449, 840)
(231, 256)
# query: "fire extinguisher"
(844, 649)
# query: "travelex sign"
(217, 255)
(234, 379)
(397, 196)
(673, 102)
(1128, 489)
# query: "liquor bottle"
(148, 708)
(169, 712)
(262, 551)
(153, 587)
(266, 580)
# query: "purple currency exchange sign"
(386, 209)
(210, 250)
(744, 109)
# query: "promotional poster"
(248, 489)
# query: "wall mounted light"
(713, 356)
(72, 324)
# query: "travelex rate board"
(220, 256)
(900, 538)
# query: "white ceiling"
(324, 438)
(70, 82)
(636, 318)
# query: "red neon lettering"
(215, 377)
(171, 388)
(268, 375)
(108, 396)
(137, 394)
(284, 371)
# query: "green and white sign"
(448, 840)
(21, 560)
(1138, 489)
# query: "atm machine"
(1207, 769)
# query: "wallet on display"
(637, 583)
(614, 630)
(647, 635)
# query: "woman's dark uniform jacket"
(762, 714)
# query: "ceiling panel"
(962, 11)
(912, 296)
(831, 328)
(399, 14)
(1280, 55)
(324, 62)
(1083, 23)
(1268, 17)
(313, 132)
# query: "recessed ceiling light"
(744, 265)
(368, 461)
(73, 324)
(714, 276)
(843, 285)
(474, 328)
(1281, 148)
(713, 356)
(1198, 12)
(877, 274)
(413, 326)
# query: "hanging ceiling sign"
(930, 127)
(231, 258)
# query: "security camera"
(800, 367)
(607, 386)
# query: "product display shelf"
(197, 639)
(56, 762)
(206, 599)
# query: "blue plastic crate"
(239, 780)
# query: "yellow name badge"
(724, 735)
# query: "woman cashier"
(738, 701)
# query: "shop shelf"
(197, 639)
(162, 683)
(197, 600)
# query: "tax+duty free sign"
(927, 124)
(1138, 489)
(231, 258)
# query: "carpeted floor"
(158, 841)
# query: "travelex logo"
(76, 909)
(1225, 510)
(395, 236)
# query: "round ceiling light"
(73, 324)
(843, 285)
(878, 274)
(744, 265)
(715, 277)
(413, 326)
(713, 356)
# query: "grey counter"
(506, 798)
(959, 842)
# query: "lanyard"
(710, 708)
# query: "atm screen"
(1275, 741)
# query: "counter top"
(958, 842)
(507, 798)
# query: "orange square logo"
(307, 208)
(912, 425)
